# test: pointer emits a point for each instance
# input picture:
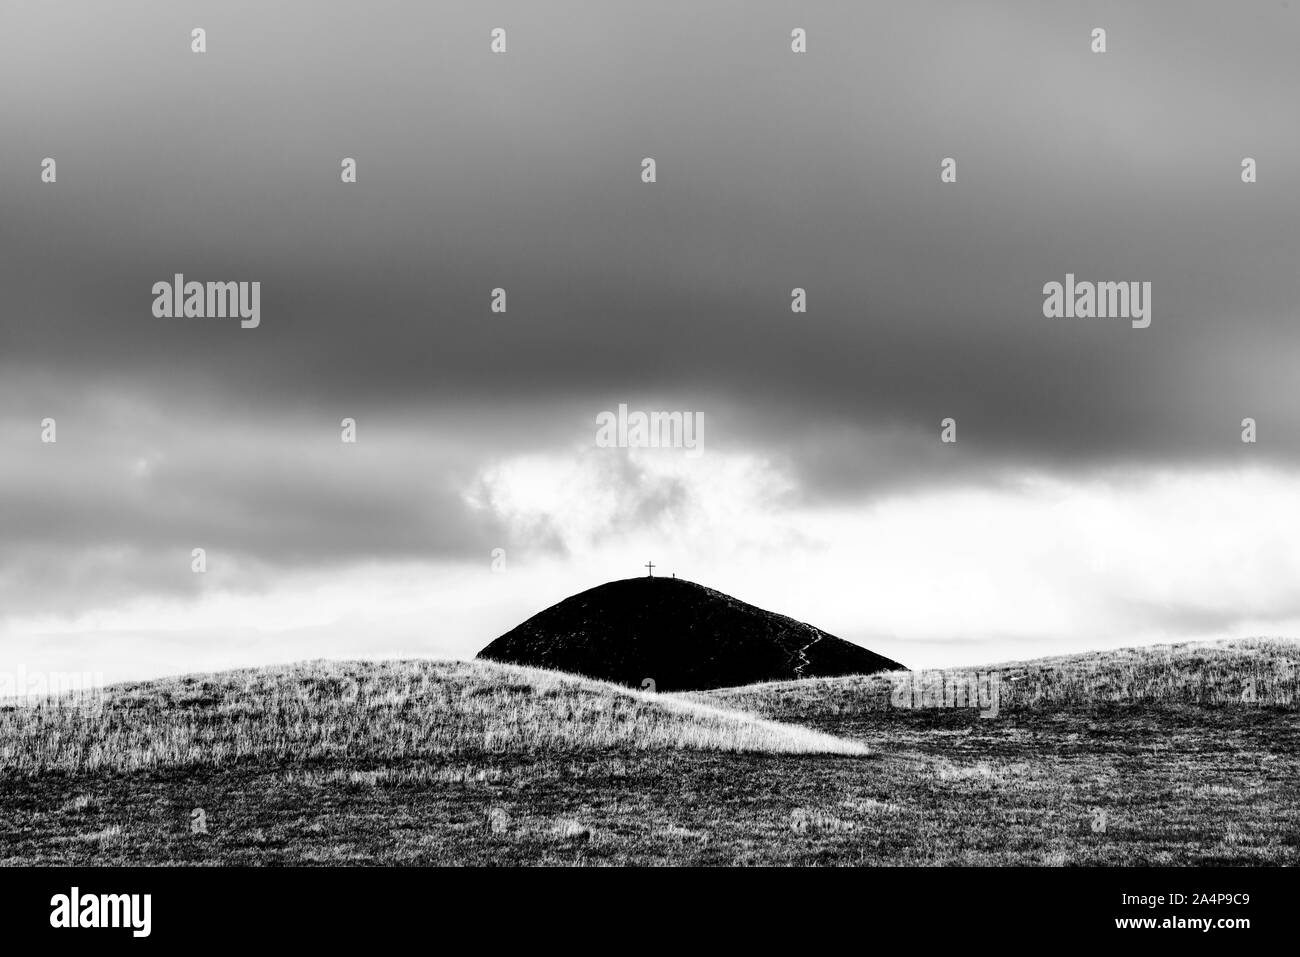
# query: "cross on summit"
(651, 567)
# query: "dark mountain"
(681, 635)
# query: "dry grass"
(1248, 672)
(440, 763)
(385, 711)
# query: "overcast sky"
(1098, 495)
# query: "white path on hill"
(803, 657)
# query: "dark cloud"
(129, 489)
(776, 171)
(521, 171)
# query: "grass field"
(1148, 756)
(375, 711)
(1259, 672)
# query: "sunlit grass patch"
(385, 712)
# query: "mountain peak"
(679, 634)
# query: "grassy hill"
(1254, 671)
(373, 711)
(1143, 756)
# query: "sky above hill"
(1098, 493)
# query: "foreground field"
(1150, 782)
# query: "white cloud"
(1038, 566)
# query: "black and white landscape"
(705, 433)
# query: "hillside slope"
(372, 711)
(678, 634)
(1247, 671)
(442, 763)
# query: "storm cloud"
(522, 171)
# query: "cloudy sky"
(1098, 495)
